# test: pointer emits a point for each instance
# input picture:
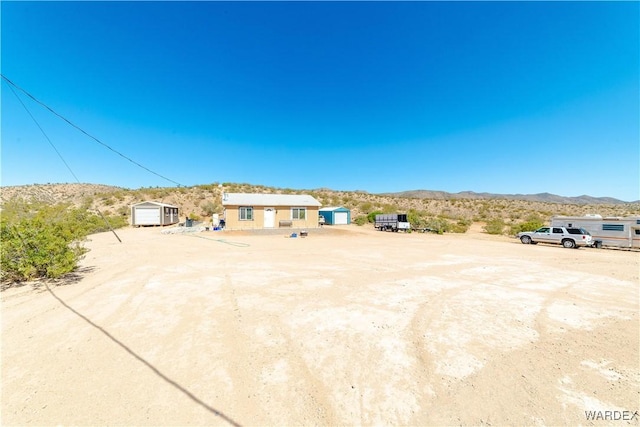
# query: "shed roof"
(166, 205)
(255, 199)
(334, 208)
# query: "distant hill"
(204, 200)
(540, 197)
(55, 193)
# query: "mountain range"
(540, 197)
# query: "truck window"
(557, 230)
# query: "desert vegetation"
(447, 215)
(43, 240)
(43, 226)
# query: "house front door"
(269, 217)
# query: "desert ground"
(347, 326)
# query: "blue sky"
(501, 97)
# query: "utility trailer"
(620, 232)
(392, 222)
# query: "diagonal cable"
(86, 133)
(61, 158)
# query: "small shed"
(336, 215)
(153, 213)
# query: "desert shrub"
(438, 225)
(91, 223)
(45, 241)
(208, 187)
(494, 226)
(366, 206)
(531, 225)
(415, 218)
(389, 208)
(38, 244)
(371, 217)
(361, 220)
(208, 208)
(461, 226)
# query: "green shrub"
(40, 241)
(495, 226)
(438, 225)
(415, 218)
(530, 225)
(371, 217)
(208, 208)
(361, 220)
(462, 226)
(366, 206)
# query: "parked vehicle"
(392, 222)
(567, 237)
(620, 232)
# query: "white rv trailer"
(621, 232)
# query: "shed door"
(340, 218)
(147, 216)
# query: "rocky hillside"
(204, 200)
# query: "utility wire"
(61, 158)
(45, 135)
(84, 132)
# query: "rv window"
(637, 231)
(613, 227)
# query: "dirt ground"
(347, 326)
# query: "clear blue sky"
(502, 97)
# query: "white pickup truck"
(565, 236)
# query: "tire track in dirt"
(241, 368)
(312, 403)
(421, 325)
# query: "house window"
(298, 213)
(246, 213)
(613, 227)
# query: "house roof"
(166, 205)
(254, 199)
(334, 208)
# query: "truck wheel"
(525, 240)
(568, 243)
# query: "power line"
(83, 131)
(45, 135)
(61, 158)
